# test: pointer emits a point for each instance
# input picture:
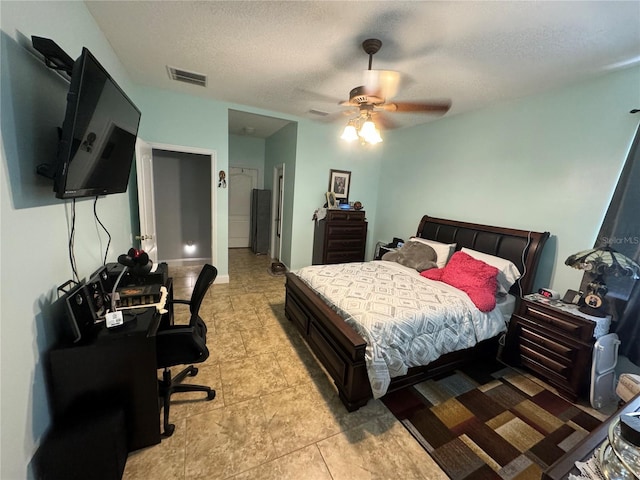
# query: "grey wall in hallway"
(182, 192)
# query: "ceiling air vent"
(187, 77)
(318, 112)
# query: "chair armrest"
(184, 302)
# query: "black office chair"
(184, 344)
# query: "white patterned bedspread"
(406, 320)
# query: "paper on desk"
(589, 470)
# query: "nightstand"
(555, 341)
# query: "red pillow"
(474, 277)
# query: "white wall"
(34, 226)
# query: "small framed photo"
(339, 181)
(332, 201)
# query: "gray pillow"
(413, 255)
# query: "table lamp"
(601, 261)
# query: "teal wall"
(548, 162)
(34, 225)
(318, 150)
(183, 120)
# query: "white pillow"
(508, 273)
(443, 250)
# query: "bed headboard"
(522, 247)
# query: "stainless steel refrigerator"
(260, 221)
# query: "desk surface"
(583, 450)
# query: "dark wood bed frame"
(341, 350)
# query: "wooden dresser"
(340, 237)
(554, 343)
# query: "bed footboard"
(340, 349)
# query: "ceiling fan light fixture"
(369, 133)
(363, 129)
(350, 133)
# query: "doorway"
(179, 181)
(241, 182)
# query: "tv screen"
(98, 138)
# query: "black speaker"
(80, 313)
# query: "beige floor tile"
(310, 412)
(226, 346)
(165, 461)
(298, 417)
(251, 377)
(186, 404)
(265, 340)
(230, 321)
(306, 463)
(373, 451)
(298, 366)
(224, 442)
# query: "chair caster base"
(168, 430)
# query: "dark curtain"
(621, 230)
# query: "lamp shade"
(604, 261)
(349, 134)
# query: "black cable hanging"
(72, 257)
(95, 214)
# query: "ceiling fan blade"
(383, 83)
(383, 121)
(430, 107)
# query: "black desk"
(116, 367)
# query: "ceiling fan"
(379, 86)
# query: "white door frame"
(214, 190)
(274, 212)
(146, 205)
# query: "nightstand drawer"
(554, 349)
(553, 377)
(561, 369)
(577, 329)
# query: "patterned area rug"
(490, 422)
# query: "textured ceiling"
(296, 57)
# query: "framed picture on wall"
(339, 181)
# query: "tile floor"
(276, 414)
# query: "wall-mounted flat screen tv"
(97, 142)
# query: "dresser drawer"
(576, 328)
(346, 230)
(553, 348)
(354, 244)
(342, 256)
(346, 215)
